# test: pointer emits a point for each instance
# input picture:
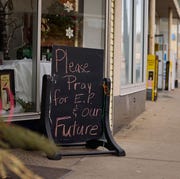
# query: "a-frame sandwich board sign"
(75, 102)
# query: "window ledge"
(21, 117)
(132, 88)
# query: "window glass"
(64, 22)
(17, 32)
(138, 40)
(126, 62)
(132, 42)
(72, 23)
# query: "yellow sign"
(5, 87)
(152, 74)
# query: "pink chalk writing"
(75, 129)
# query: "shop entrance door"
(159, 52)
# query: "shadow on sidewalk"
(44, 172)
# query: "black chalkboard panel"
(76, 94)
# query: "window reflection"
(138, 42)
(16, 50)
(132, 42)
(59, 21)
(126, 62)
(64, 22)
(73, 23)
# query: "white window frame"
(136, 87)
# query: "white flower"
(68, 6)
(69, 32)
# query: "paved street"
(151, 142)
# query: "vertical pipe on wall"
(177, 63)
(170, 18)
(152, 12)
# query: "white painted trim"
(137, 87)
(146, 25)
(112, 59)
(117, 48)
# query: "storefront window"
(138, 40)
(132, 42)
(17, 34)
(126, 62)
(77, 23)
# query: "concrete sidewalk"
(151, 142)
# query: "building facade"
(147, 28)
(166, 34)
(130, 57)
(120, 28)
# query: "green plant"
(12, 136)
(27, 106)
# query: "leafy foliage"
(12, 136)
